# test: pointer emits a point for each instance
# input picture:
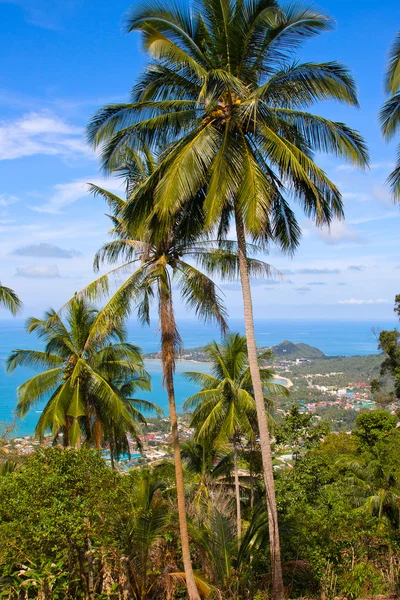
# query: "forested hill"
(294, 351)
(285, 349)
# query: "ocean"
(346, 338)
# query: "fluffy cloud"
(357, 301)
(339, 233)
(49, 272)
(303, 289)
(6, 200)
(41, 133)
(45, 251)
(64, 194)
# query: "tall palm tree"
(225, 409)
(88, 379)
(159, 260)
(9, 299)
(225, 97)
(390, 113)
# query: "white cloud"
(47, 272)
(41, 133)
(339, 233)
(6, 200)
(394, 214)
(357, 301)
(382, 165)
(377, 165)
(346, 168)
(67, 193)
(44, 250)
(359, 196)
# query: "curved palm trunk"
(237, 492)
(168, 337)
(277, 581)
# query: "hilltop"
(287, 349)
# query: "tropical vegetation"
(87, 380)
(219, 139)
(224, 409)
(71, 527)
(231, 110)
(390, 113)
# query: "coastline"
(289, 382)
(182, 361)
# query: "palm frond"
(10, 300)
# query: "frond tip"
(10, 300)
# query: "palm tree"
(10, 300)
(225, 409)
(374, 488)
(232, 567)
(140, 532)
(206, 466)
(88, 380)
(390, 113)
(159, 259)
(226, 99)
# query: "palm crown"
(162, 255)
(390, 113)
(226, 98)
(88, 378)
(225, 407)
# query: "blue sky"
(61, 60)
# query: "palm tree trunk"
(237, 492)
(168, 344)
(277, 581)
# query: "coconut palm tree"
(390, 113)
(232, 568)
(87, 379)
(374, 487)
(224, 408)
(159, 260)
(208, 468)
(225, 97)
(9, 299)
(140, 533)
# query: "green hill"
(293, 351)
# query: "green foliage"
(10, 300)
(224, 408)
(390, 113)
(300, 430)
(374, 426)
(72, 527)
(231, 109)
(87, 377)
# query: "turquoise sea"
(345, 338)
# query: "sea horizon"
(333, 337)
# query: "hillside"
(293, 351)
(285, 349)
